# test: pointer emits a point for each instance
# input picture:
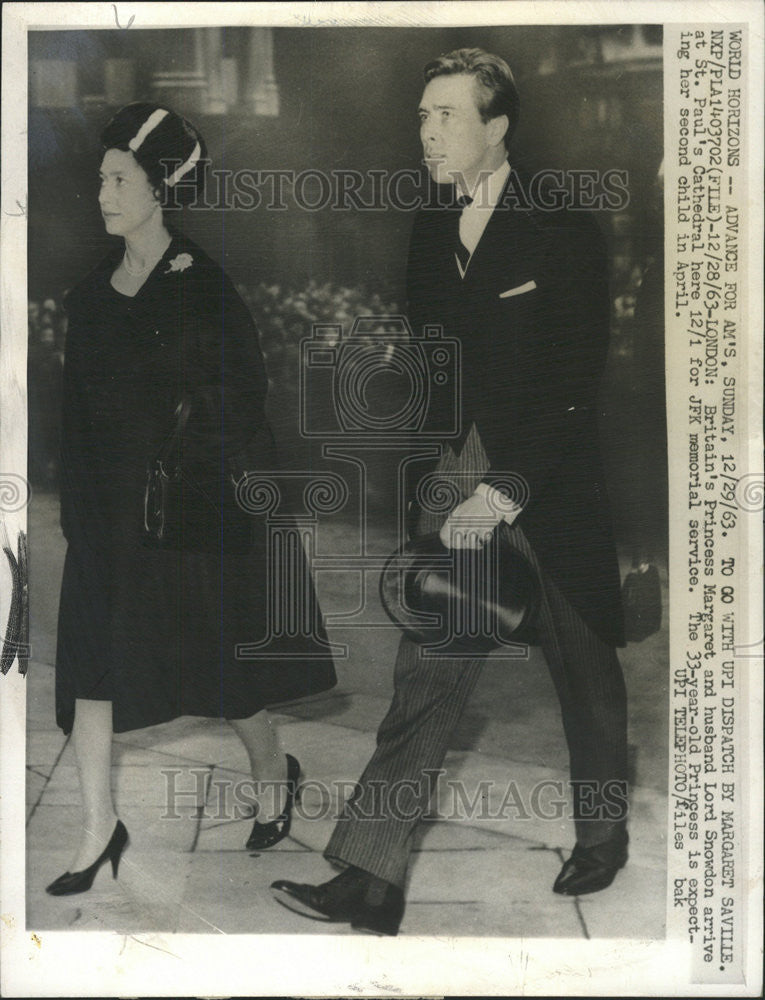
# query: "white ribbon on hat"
(148, 126)
(184, 167)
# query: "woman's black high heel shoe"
(72, 882)
(267, 834)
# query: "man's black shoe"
(590, 869)
(356, 897)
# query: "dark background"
(346, 98)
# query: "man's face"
(456, 143)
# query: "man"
(526, 293)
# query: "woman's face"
(126, 198)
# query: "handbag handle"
(170, 450)
(171, 446)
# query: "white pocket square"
(527, 286)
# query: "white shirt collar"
(474, 218)
(488, 188)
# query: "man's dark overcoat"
(531, 365)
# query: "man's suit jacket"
(532, 361)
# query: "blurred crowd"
(45, 366)
(286, 316)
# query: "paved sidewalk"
(470, 876)
(478, 875)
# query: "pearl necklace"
(144, 270)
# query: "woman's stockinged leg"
(92, 737)
(268, 763)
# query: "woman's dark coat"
(157, 631)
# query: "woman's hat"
(168, 147)
(461, 601)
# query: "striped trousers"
(375, 831)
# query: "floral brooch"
(180, 263)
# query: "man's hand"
(470, 525)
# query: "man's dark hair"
(497, 91)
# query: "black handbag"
(192, 509)
(641, 599)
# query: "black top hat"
(461, 601)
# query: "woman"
(149, 634)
